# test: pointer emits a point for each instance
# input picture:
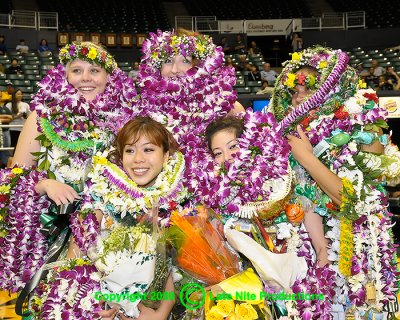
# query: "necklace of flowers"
(23, 247)
(69, 292)
(187, 103)
(263, 156)
(74, 129)
(359, 111)
(110, 185)
(331, 64)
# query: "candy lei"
(74, 129)
(115, 194)
(263, 156)
(22, 245)
(361, 250)
(184, 103)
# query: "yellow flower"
(94, 135)
(225, 307)
(80, 262)
(213, 314)
(99, 160)
(5, 189)
(17, 171)
(92, 53)
(199, 47)
(323, 64)
(291, 77)
(296, 56)
(154, 55)
(311, 80)
(63, 51)
(362, 84)
(346, 246)
(245, 311)
(174, 40)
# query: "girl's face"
(177, 65)
(18, 95)
(143, 161)
(301, 93)
(223, 145)
(89, 79)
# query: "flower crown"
(90, 54)
(336, 82)
(161, 46)
(303, 79)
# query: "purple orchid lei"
(22, 250)
(60, 296)
(318, 280)
(340, 107)
(57, 96)
(263, 156)
(184, 103)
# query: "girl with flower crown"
(141, 178)
(184, 83)
(73, 117)
(334, 128)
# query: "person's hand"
(60, 193)
(302, 149)
(146, 313)
(110, 313)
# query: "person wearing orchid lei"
(72, 119)
(183, 80)
(131, 194)
(334, 128)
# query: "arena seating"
(108, 15)
(256, 9)
(377, 15)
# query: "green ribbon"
(282, 218)
(47, 219)
(308, 191)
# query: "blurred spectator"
(44, 49)
(229, 62)
(15, 68)
(268, 74)
(254, 49)
(265, 88)
(392, 76)
(378, 70)
(242, 64)
(2, 69)
(6, 96)
(239, 46)
(254, 74)
(22, 47)
(3, 47)
(226, 48)
(383, 84)
(134, 72)
(5, 118)
(297, 42)
(20, 111)
(362, 72)
(371, 80)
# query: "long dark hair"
(14, 102)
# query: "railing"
(330, 20)
(30, 19)
(1, 135)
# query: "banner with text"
(266, 27)
(231, 26)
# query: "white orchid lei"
(184, 103)
(116, 195)
(263, 156)
(338, 119)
